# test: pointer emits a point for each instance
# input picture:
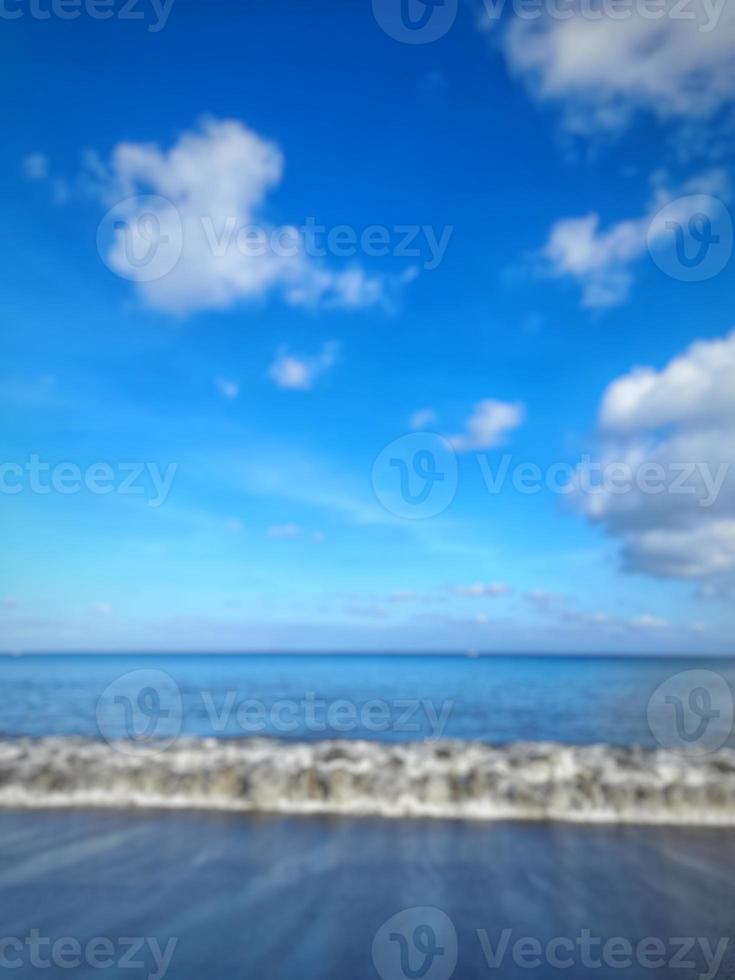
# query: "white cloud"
(492, 590)
(681, 420)
(35, 166)
(598, 260)
(544, 600)
(300, 372)
(209, 192)
(284, 531)
(649, 622)
(602, 71)
(488, 425)
(101, 608)
(365, 612)
(228, 389)
(601, 259)
(694, 389)
(555, 607)
(422, 418)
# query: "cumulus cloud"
(601, 259)
(679, 423)
(695, 390)
(676, 65)
(187, 226)
(488, 425)
(300, 372)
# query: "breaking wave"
(468, 780)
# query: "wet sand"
(292, 897)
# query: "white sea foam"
(524, 781)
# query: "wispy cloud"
(227, 388)
(492, 590)
(299, 372)
(421, 418)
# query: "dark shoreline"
(278, 897)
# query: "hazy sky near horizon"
(313, 338)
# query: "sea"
(388, 816)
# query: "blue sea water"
(270, 857)
(496, 699)
(589, 739)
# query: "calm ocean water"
(498, 699)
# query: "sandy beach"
(279, 897)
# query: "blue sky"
(267, 386)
